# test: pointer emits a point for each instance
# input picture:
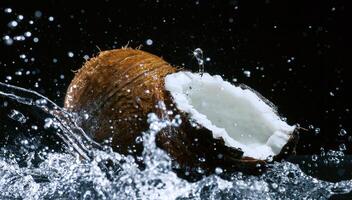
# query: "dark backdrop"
(297, 51)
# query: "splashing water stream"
(87, 170)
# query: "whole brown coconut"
(115, 91)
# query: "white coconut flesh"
(237, 115)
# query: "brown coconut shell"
(118, 88)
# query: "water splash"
(198, 54)
(105, 174)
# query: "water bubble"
(149, 42)
(17, 116)
(35, 40)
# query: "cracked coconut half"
(223, 126)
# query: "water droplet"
(8, 40)
(317, 130)
(177, 121)
(342, 132)
(270, 158)
(70, 54)
(48, 123)
(247, 73)
(17, 116)
(51, 18)
(218, 170)
(38, 14)
(20, 17)
(34, 127)
(342, 147)
(149, 42)
(8, 10)
(85, 57)
(274, 185)
(282, 189)
(139, 139)
(19, 38)
(12, 24)
(24, 142)
(314, 157)
(23, 56)
(198, 54)
(85, 116)
(35, 40)
(41, 102)
(28, 34)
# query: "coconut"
(224, 126)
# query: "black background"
(297, 51)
